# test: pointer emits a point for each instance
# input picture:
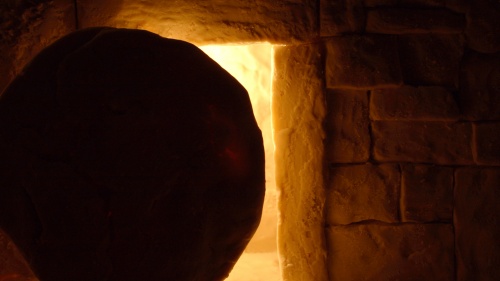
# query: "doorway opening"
(252, 66)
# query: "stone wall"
(412, 147)
(413, 92)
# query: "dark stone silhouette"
(127, 156)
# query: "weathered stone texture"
(480, 86)
(347, 126)
(369, 61)
(487, 143)
(379, 252)
(422, 142)
(299, 110)
(426, 193)
(483, 26)
(454, 5)
(363, 192)
(477, 224)
(413, 103)
(204, 22)
(407, 21)
(26, 27)
(341, 16)
(430, 59)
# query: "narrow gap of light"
(252, 65)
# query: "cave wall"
(410, 184)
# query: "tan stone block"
(430, 59)
(341, 16)
(426, 193)
(362, 62)
(299, 110)
(407, 21)
(413, 103)
(208, 22)
(347, 127)
(477, 223)
(363, 192)
(487, 143)
(483, 26)
(379, 252)
(480, 86)
(422, 142)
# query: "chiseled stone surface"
(477, 223)
(210, 21)
(380, 252)
(407, 21)
(483, 26)
(480, 86)
(426, 193)
(487, 143)
(413, 103)
(422, 142)
(299, 110)
(347, 126)
(430, 59)
(459, 6)
(369, 61)
(26, 27)
(363, 192)
(341, 16)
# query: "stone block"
(411, 3)
(477, 223)
(347, 126)
(413, 103)
(422, 142)
(487, 143)
(426, 193)
(341, 16)
(209, 22)
(430, 59)
(369, 61)
(299, 110)
(407, 21)
(483, 26)
(480, 86)
(379, 252)
(363, 192)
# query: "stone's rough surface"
(426, 193)
(363, 192)
(26, 27)
(380, 252)
(413, 103)
(341, 16)
(347, 125)
(369, 61)
(477, 223)
(299, 110)
(430, 59)
(208, 22)
(454, 5)
(483, 26)
(480, 86)
(13, 266)
(141, 162)
(411, 20)
(487, 143)
(422, 142)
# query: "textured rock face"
(126, 156)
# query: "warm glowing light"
(251, 65)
